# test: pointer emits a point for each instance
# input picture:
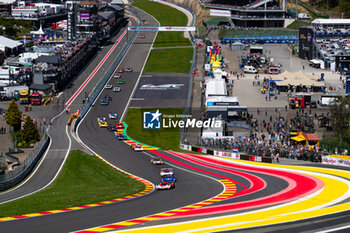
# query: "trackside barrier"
(98, 88)
(12, 178)
(335, 161)
(226, 154)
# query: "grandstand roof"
(331, 21)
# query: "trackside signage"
(162, 29)
(155, 120)
(220, 13)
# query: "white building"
(213, 132)
(333, 23)
(215, 87)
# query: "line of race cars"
(115, 126)
(119, 80)
(166, 174)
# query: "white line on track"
(97, 68)
(260, 210)
(43, 158)
(138, 79)
(60, 168)
(334, 229)
(181, 168)
(38, 165)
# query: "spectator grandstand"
(329, 40)
(252, 13)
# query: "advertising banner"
(162, 29)
(186, 147)
(84, 15)
(143, 28)
(220, 13)
(177, 29)
(335, 161)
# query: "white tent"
(39, 32)
(8, 43)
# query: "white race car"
(101, 119)
(166, 171)
(137, 147)
(157, 161)
(113, 116)
(165, 185)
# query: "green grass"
(298, 23)
(170, 39)
(214, 21)
(166, 139)
(169, 60)
(167, 16)
(83, 180)
(202, 31)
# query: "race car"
(104, 102)
(117, 76)
(101, 118)
(169, 178)
(102, 124)
(116, 89)
(128, 70)
(120, 125)
(120, 70)
(137, 147)
(120, 136)
(108, 86)
(108, 97)
(113, 115)
(157, 161)
(120, 81)
(112, 128)
(166, 171)
(142, 36)
(165, 185)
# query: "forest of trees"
(340, 6)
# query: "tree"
(340, 116)
(29, 132)
(13, 116)
(345, 8)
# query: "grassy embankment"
(167, 139)
(167, 16)
(84, 179)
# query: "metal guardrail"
(193, 68)
(11, 178)
(101, 84)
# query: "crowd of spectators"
(271, 135)
(70, 48)
(229, 5)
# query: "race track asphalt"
(57, 131)
(191, 187)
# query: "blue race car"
(104, 102)
(169, 178)
(120, 136)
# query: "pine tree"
(13, 116)
(340, 116)
(29, 131)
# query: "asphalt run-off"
(96, 69)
